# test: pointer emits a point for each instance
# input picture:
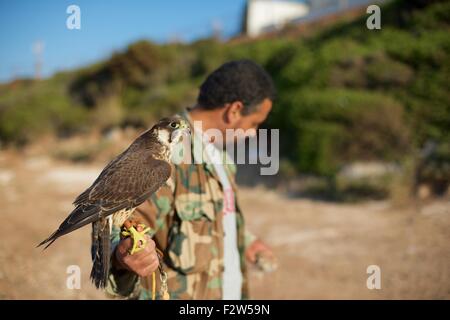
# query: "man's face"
(249, 123)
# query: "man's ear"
(234, 112)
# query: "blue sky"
(106, 25)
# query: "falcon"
(125, 183)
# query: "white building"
(269, 14)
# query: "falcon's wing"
(126, 182)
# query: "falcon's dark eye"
(174, 125)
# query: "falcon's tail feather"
(101, 251)
(79, 217)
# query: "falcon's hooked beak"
(182, 130)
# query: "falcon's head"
(170, 130)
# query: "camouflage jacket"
(185, 217)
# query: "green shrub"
(321, 130)
(43, 108)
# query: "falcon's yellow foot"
(137, 234)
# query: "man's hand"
(143, 262)
(256, 248)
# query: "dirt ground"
(323, 248)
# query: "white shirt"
(232, 276)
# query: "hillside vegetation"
(345, 93)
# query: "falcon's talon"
(138, 237)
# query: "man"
(195, 219)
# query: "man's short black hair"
(240, 80)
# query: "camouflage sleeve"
(154, 213)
